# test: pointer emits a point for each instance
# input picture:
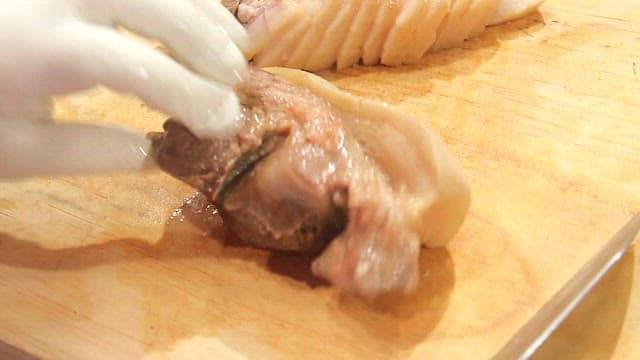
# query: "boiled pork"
(315, 169)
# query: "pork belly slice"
(466, 19)
(426, 32)
(351, 47)
(317, 170)
(345, 32)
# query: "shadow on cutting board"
(294, 298)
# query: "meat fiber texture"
(318, 34)
(318, 170)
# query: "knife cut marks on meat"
(318, 170)
(317, 34)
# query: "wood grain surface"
(543, 114)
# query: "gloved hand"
(59, 46)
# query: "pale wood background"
(542, 113)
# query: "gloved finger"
(36, 149)
(205, 42)
(102, 55)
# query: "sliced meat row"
(318, 34)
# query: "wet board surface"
(542, 113)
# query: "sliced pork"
(317, 34)
(315, 169)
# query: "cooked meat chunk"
(277, 179)
(304, 173)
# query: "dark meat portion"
(293, 179)
(280, 181)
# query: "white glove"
(60, 46)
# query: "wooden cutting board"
(544, 116)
